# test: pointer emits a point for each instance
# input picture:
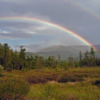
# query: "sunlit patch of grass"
(79, 91)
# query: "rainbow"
(85, 9)
(51, 24)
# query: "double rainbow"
(51, 24)
(85, 9)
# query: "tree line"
(14, 60)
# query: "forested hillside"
(65, 51)
(13, 60)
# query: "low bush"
(51, 77)
(82, 75)
(69, 78)
(63, 79)
(36, 80)
(13, 89)
(97, 82)
(1, 70)
(41, 77)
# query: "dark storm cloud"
(61, 12)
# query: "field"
(58, 84)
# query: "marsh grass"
(13, 89)
(45, 85)
(79, 91)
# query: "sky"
(79, 16)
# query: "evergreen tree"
(80, 58)
(22, 57)
(1, 55)
(40, 62)
(92, 57)
(86, 54)
(71, 60)
(58, 58)
(6, 55)
(15, 60)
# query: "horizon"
(35, 51)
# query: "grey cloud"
(59, 12)
(14, 1)
(15, 35)
(54, 11)
(31, 48)
(29, 28)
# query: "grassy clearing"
(79, 91)
(75, 83)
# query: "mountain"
(65, 48)
(63, 51)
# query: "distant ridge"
(63, 51)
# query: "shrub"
(63, 79)
(69, 78)
(51, 77)
(13, 89)
(41, 77)
(97, 82)
(1, 70)
(82, 75)
(35, 80)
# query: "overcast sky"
(79, 16)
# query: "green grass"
(79, 91)
(44, 85)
